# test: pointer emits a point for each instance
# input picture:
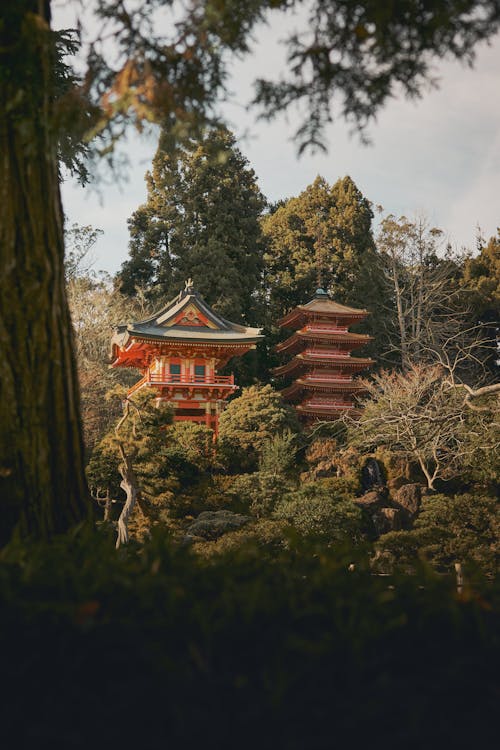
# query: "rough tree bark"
(42, 483)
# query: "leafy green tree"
(190, 451)
(323, 237)
(250, 422)
(321, 509)
(201, 220)
(481, 279)
(137, 448)
(464, 528)
(264, 488)
(481, 290)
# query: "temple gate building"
(321, 367)
(179, 351)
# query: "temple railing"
(325, 328)
(167, 379)
(328, 404)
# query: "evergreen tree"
(201, 220)
(481, 279)
(323, 237)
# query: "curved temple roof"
(321, 306)
(185, 319)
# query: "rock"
(409, 499)
(372, 500)
(387, 519)
(395, 483)
(212, 524)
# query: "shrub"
(290, 641)
(250, 421)
(323, 509)
(464, 528)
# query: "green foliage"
(261, 491)
(250, 421)
(289, 640)
(464, 528)
(190, 451)
(481, 290)
(201, 221)
(142, 435)
(324, 509)
(481, 280)
(356, 54)
(279, 454)
(321, 238)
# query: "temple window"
(199, 373)
(175, 372)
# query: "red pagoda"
(322, 367)
(179, 351)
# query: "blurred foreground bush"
(154, 647)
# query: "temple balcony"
(170, 379)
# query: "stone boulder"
(409, 499)
(387, 519)
(372, 500)
(212, 524)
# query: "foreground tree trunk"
(42, 483)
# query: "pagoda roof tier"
(324, 308)
(185, 321)
(336, 361)
(301, 385)
(322, 336)
(325, 410)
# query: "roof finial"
(188, 286)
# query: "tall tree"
(42, 484)
(201, 220)
(320, 238)
(323, 237)
(480, 285)
(428, 316)
(419, 416)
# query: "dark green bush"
(464, 528)
(325, 509)
(154, 647)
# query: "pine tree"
(200, 220)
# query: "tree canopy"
(200, 220)
(322, 237)
(345, 58)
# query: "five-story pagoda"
(322, 367)
(179, 351)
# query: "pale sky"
(439, 155)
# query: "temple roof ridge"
(200, 323)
